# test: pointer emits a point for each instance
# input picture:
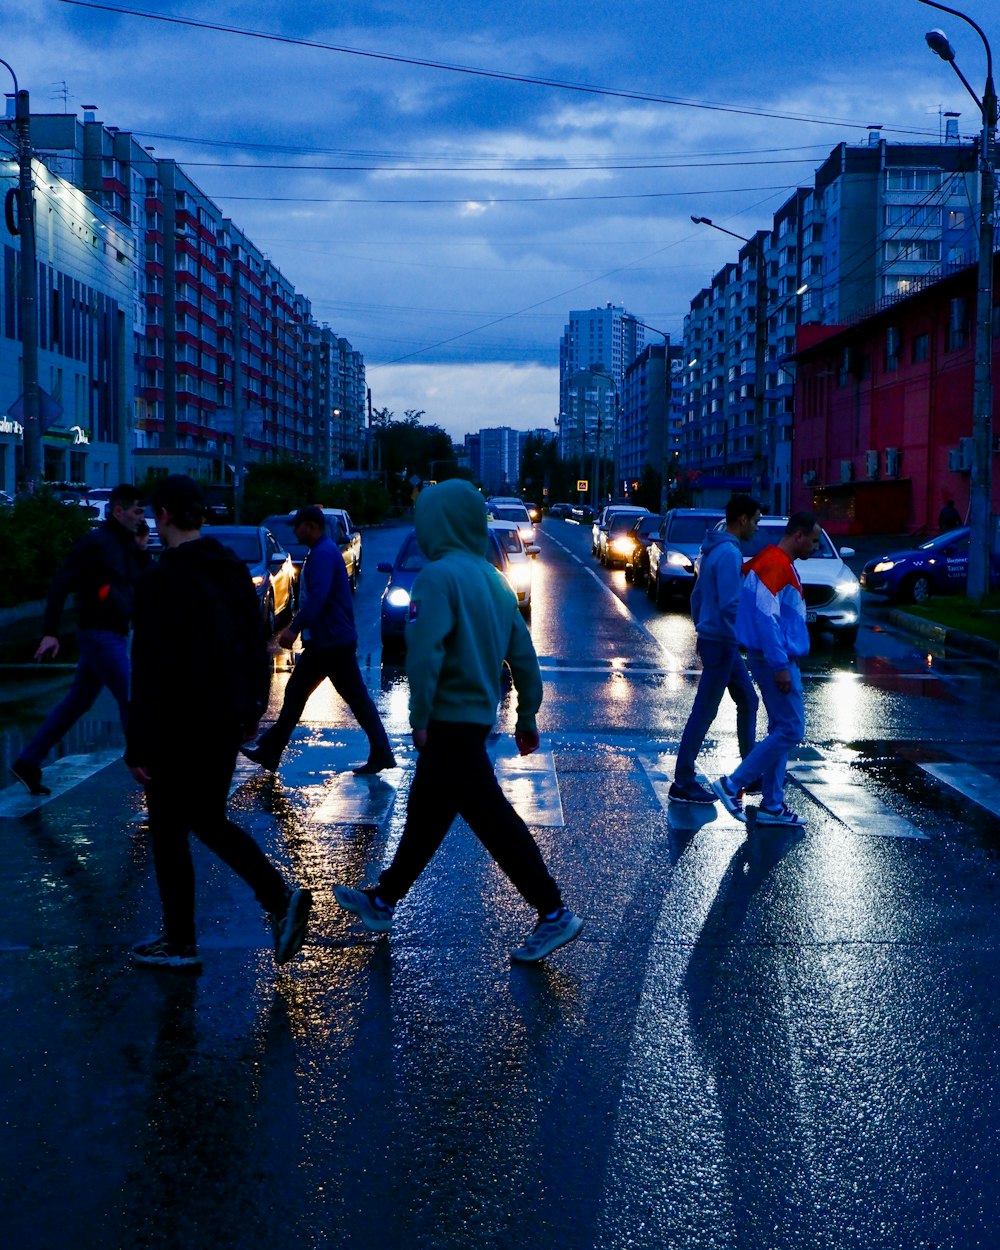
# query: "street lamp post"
(27, 291)
(981, 490)
(759, 461)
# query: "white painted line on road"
(350, 800)
(970, 782)
(61, 777)
(531, 784)
(841, 791)
(659, 769)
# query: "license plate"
(810, 616)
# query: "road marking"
(659, 769)
(61, 777)
(970, 782)
(530, 783)
(838, 788)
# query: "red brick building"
(883, 411)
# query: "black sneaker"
(159, 953)
(690, 792)
(290, 929)
(257, 756)
(375, 765)
(30, 776)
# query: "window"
(916, 215)
(957, 218)
(912, 250)
(921, 347)
(912, 179)
(958, 324)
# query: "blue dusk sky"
(427, 175)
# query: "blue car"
(937, 567)
(403, 573)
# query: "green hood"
(450, 516)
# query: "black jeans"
(340, 664)
(188, 794)
(454, 777)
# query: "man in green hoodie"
(464, 624)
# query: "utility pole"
(27, 291)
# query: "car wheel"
(845, 637)
(269, 615)
(354, 578)
(919, 588)
(525, 610)
(629, 575)
(650, 586)
(660, 595)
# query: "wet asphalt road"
(758, 1041)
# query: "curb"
(34, 610)
(951, 639)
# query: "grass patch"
(982, 619)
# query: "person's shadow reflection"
(736, 990)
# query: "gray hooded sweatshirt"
(716, 593)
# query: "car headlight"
(851, 587)
(527, 533)
(623, 546)
(884, 566)
(678, 559)
(397, 597)
(520, 576)
(260, 579)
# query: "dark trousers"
(103, 662)
(723, 669)
(188, 794)
(454, 777)
(340, 664)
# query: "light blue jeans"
(786, 727)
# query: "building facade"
(604, 341)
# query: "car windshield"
(648, 525)
(281, 527)
(410, 559)
(510, 540)
(514, 513)
(944, 540)
(768, 534)
(688, 529)
(245, 544)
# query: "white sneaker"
(547, 936)
(782, 816)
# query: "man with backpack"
(200, 683)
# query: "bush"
(366, 500)
(35, 537)
(280, 487)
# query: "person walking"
(325, 621)
(101, 570)
(714, 601)
(771, 624)
(464, 626)
(200, 679)
(949, 518)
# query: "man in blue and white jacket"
(714, 600)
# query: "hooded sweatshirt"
(716, 594)
(464, 620)
(199, 654)
(771, 617)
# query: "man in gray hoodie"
(714, 600)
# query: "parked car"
(512, 510)
(561, 510)
(640, 535)
(519, 557)
(939, 566)
(604, 519)
(673, 551)
(581, 513)
(832, 592)
(270, 567)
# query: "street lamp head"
(702, 221)
(938, 43)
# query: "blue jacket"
(716, 593)
(326, 615)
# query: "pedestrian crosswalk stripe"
(838, 788)
(60, 776)
(970, 782)
(531, 784)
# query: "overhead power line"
(478, 72)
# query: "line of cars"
(660, 553)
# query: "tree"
(279, 487)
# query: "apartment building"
(603, 340)
(220, 363)
(880, 220)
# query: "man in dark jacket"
(102, 569)
(325, 622)
(200, 680)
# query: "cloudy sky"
(446, 181)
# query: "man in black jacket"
(200, 682)
(102, 569)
